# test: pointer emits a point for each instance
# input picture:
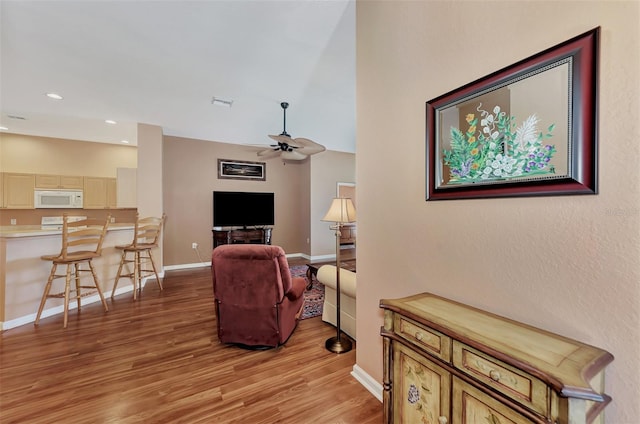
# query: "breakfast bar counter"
(23, 274)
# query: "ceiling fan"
(290, 148)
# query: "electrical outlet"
(13, 221)
(113, 219)
(194, 245)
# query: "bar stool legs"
(145, 238)
(72, 272)
(141, 257)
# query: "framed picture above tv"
(242, 170)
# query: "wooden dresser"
(445, 362)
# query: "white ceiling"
(161, 62)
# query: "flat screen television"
(242, 209)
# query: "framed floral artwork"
(527, 130)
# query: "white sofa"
(327, 276)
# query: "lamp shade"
(341, 210)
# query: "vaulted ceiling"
(162, 62)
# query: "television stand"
(242, 236)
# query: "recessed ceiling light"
(109, 121)
(54, 96)
(4, 128)
(125, 141)
(221, 102)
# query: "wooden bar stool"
(81, 242)
(145, 238)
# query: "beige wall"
(44, 155)
(327, 170)
(191, 176)
(303, 191)
(150, 169)
(568, 264)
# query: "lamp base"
(338, 345)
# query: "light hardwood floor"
(158, 360)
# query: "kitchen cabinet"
(112, 193)
(127, 195)
(446, 362)
(71, 182)
(99, 193)
(18, 191)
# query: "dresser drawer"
(432, 341)
(513, 383)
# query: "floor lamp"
(340, 212)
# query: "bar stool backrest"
(82, 237)
(147, 231)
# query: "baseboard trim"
(27, 319)
(187, 266)
(367, 381)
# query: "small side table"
(312, 270)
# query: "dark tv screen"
(242, 209)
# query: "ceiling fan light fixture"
(289, 148)
(221, 102)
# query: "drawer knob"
(419, 335)
(495, 375)
(442, 420)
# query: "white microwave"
(58, 199)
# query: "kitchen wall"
(568, 264)
(45, 155)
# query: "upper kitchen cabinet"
(59, 182)
(127, 195)
(112, 193)
(18, 191)
(99, 193)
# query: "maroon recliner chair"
(258, 303)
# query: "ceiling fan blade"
(281, 138)
(269, 153)
(311, 150)
(294, 155)
(259, 146)
(305, 142)
(307, 146)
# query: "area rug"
(314, 297)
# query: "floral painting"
(495, 146)
(529, 129)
